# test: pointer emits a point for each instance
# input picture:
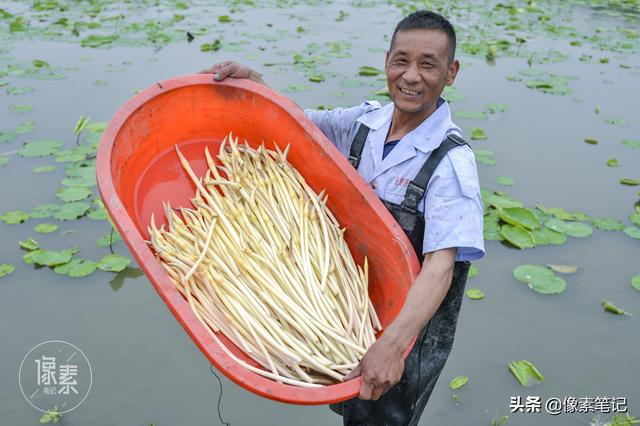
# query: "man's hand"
(232, 69)
(381, 368)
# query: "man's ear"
(453, 71)
(386, 60)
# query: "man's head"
(421, 61)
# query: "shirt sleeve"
(337, 124)
(453, 207)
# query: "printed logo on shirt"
(401, 181)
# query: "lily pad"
(525, 372)
(548, 285)
(80, 124)
(26, 127)
(473, 271)
(478, 133)
(499, 199)
(505, 181)
(485, 156)
(611, 308)
(632, 231)
(76, 268)
(19, 109)
(73, 194)
(458, 382)
(519, 216)
(43, 169)
(6, 269)
(452, 94)
(472, 115)
(563, 269)
(527, 273)
(545, 235)
(608, 224)
(95, 40)
(518, 236)
(39, 148)
(630, 182)
(29, 244)
(613, 162)
(631, 143)
(635, 282)
(45, 228)
(44, 211)
(53, 258)
(369, 71)
(572, 229)
(71, 211)
(635, 218)
(474, 294)
(492, 230)
(3, 160)
(7, 137)
(113, 263)
(591, 141)
(494, 107)
(14, 217)
(615, 121)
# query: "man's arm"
(383, 364)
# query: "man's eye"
(427, 65)
(399, 62)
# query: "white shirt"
(452, 206)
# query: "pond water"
(147, 370)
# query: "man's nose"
(411, 74)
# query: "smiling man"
(414, 158)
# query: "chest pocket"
(464, 179)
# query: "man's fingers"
(354, 373)
(226, 70)
(377, 392)
(366, 391)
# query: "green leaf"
(572, 229)
(548, 285)
(71, 211)
(591, 141)
(518, 236)
(14, 217)
(505, 181)
(3, 160)
(478, 134)
(45, 228)
(519, 216)
(525, 372)
(615, 121)
(635, 218)
(73, 194)
(39, 148)
(43, 169)
(472, 115)
(51, 416)
(611, 308)
(528, 273)
(53, 258)
(635, 282)
(612, 162)
(26, 127)
(76, 268)
(545, 235)
(19, 109)
(224, 18)
(44, 211)
(17, 25)
(296, 88)
(563, 269)
(317, 78)
(631, 143)
(492, 231)
(211, 47)
(608, 224)
(6, 269)
(113, 263)
(452, 94)
(30, 244)
(458, 382)
(494, 107)
(499, 199)
(474, 294)
(632, 231)
(80, 124)
(484, 156)
(7, 137)
(95, 40)
(630, 182)
(473, 271)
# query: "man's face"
(418, 68)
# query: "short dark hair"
(427, 20)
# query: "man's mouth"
(409, 92)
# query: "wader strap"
(358, 145)
(418, 186)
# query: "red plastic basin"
(137, 169)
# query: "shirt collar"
(427, 136)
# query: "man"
(413, 157)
